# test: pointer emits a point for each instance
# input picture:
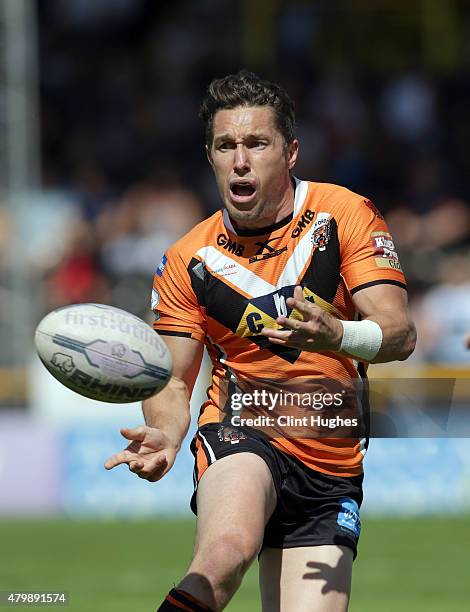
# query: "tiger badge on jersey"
(321, 231)
(385, 253)
(227, 433)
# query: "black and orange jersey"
(221, 286)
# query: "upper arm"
(179, 317)
(382, 299)
(174, 302)
(368, 254)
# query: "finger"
(155, 466)
(152, 470)
(291, 342)
(292, 324)
(299, 293)
(160, 471)
(137, 433)
(298, 296)
(136, 466)
(305, 308)
(276, 333)
(120, 458)
(278, 341)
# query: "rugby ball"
(103, 353)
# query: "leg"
(306, 579)
(235, 498)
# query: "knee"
(225, 559)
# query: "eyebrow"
(227, 136)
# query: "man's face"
(251, 163)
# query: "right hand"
(150, 454)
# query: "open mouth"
(242, 191)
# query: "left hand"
(149, 453)
(319, 330)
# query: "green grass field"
(408, 565)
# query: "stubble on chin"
(240, 216)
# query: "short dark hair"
(248, 89)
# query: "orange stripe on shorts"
(201, 459)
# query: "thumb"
(137, 433)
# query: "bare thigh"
(306, 579)
(235, 499)
(236, 493)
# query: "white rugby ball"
(103, 352)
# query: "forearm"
(398, 337)
(169, 411)
(387, 306)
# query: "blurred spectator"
(408, 108)
(77, 277)
(425, 241)
(143, 224)
(444, 315)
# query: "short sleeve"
(176, 309)
(368, 253)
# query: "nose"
(241, 162)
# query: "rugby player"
(290, 280)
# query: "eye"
(257, 144)
(225, 146)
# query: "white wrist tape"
(361, 339)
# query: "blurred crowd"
(123, 156)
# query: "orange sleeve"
(174, 303)
(368, 253)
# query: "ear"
(209, 156)
(292, 152)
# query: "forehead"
(244, 120)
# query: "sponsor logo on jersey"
(387, 263)
(384, 251)
(321, 231)
(230, 245)
(227, 269)
(348, 516)
(302, 223)
(161, 266)
(266, 251)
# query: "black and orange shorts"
(312, 509)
